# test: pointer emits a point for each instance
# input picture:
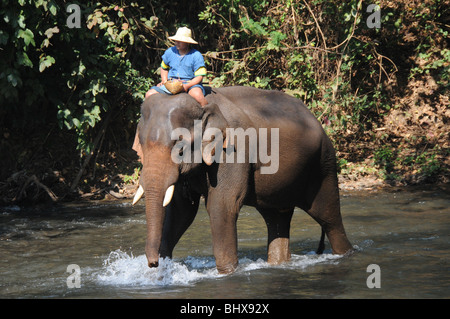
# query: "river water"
(405, 231)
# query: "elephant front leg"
(278, 228)
(224, 237)
(180, 214)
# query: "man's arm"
(164, 76)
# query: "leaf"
(45, 43)
(50, 31)
(253, 26)
(70, 83)
(65, 117)
(45, 62)
(53, 8)
(121, 35)
(21, 21)
(275, 40)
(27, 36)
(76, 122)
(14, 79)
(131, 37)
(81, 68)
(23, 59)
(111, 32)
(91, 23)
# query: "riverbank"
(31, 190)
(359, 179)
(49, 170)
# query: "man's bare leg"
(197, 94)
(150, 92)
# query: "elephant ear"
(214, 133)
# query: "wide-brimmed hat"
(183, 35)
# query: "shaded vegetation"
(70, 96)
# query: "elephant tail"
(321, 247)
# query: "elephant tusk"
(168, 196)
(138, 195)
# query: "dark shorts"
(162, 89)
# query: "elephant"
(303, 175)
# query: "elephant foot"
(278, 251)
(340, 245)
(226, 269)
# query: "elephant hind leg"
(278, 227)
(325, 209)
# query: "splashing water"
(123, 269)
(296, 262)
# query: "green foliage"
(427, 163)
(284, 47)
(429, 166)
(320, 51)
(77, 74)
(130, 179)
(384, 157)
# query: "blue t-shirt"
(184, 67)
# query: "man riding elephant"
(182, 67)
(184, 64)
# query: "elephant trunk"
(158, 194)
(155, 201)
(155, 213)
(159, 174)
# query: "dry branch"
(34, 179)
